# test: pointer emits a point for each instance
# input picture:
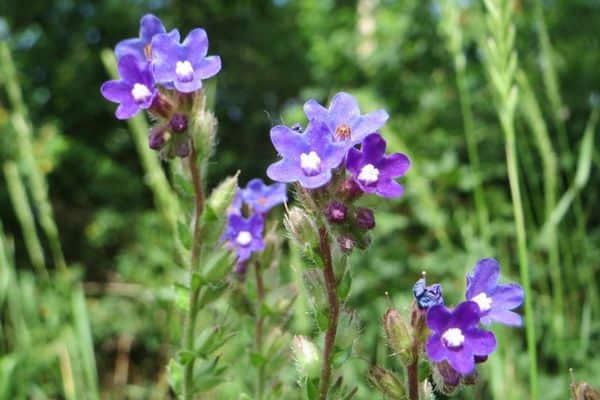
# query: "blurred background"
(86, 298)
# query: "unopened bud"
(365, 218)
(302, 228)
(387, 383)
(427, 296)
(308, 359)
(178, 123)
(349, 190)
(346, 243)
(159, 136)
(446, 378)
(336, 212)
(182, 149)
(399, 334)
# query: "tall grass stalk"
(35, 176)
(501, 64)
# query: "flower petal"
(116, 91)
(462, 361)
(394, 165)
(435, 349)
(480, 341)
(188, 87)
(314, 110)
(466, 315)
(133, 47)
(373, 148)
(127, 109)
(354, 161)
(196, 43)
(130, 69)
(150, 25)
(343, 108)
(507, 296)
(289, 144)
(316, 181)
(284, 171)
(369, 123)
(438, 318)
(505, 317)
(208, 67)
(484, 277)
(389, 189)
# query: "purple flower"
(140, 47)
(495, 301)
(244, 235)
(307, 157)
(343, 120)
(336, 212)
(373, 171)
(134, 90)
(261, 198)
(427, 296)
(183, 65)
(456, 336)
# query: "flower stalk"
(334, 309)
(258, 328)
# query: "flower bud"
(182, 149)
(159, 136)
(365, 218)
(221, 197)
(349, 190)
(427, 296)
(336, 212)
(307, 357)
(387, 383)
(178, 123)
(446, 378)
(346, 243)
(301, 226)
(399, 334)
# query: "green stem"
(513, 178)
(258, 329)
(188, 334)
(334, 309)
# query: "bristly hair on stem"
(334, 309)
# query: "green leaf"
(221, 197)
(257, 359)
(175, 375)
(185, 234)
(182, 296)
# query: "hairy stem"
(334, 309)
(188, 334)
(412, 369)
(258, 328)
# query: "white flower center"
(483, 301)
(310, 163)
(184, 71)
(243, 238)
(368, 174)
(453, 338)
(140, 93)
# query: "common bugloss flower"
(261, 198)
(457, 337)
(494, 300)
(134, 91)
(307, 158)
(343, 120)
(427, 296)
(183, 66)
(140, 47)
(373, 171)
(244, 235)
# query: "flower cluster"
(457, 341)
(246, 218)
(324, 158)
(158, 72)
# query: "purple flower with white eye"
(261, 198)
(134, 91)
(184, 65)
(343, 120)
(457, 337)
(244, 235)
(140, 47)
(494, 300)
(307, 157)
(373, 171)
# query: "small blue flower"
(244, 235)
(307, 158)
(343, 120)
(427, 296)
(183, 66)
(140, 47)
(261, 198)
(495, 300)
